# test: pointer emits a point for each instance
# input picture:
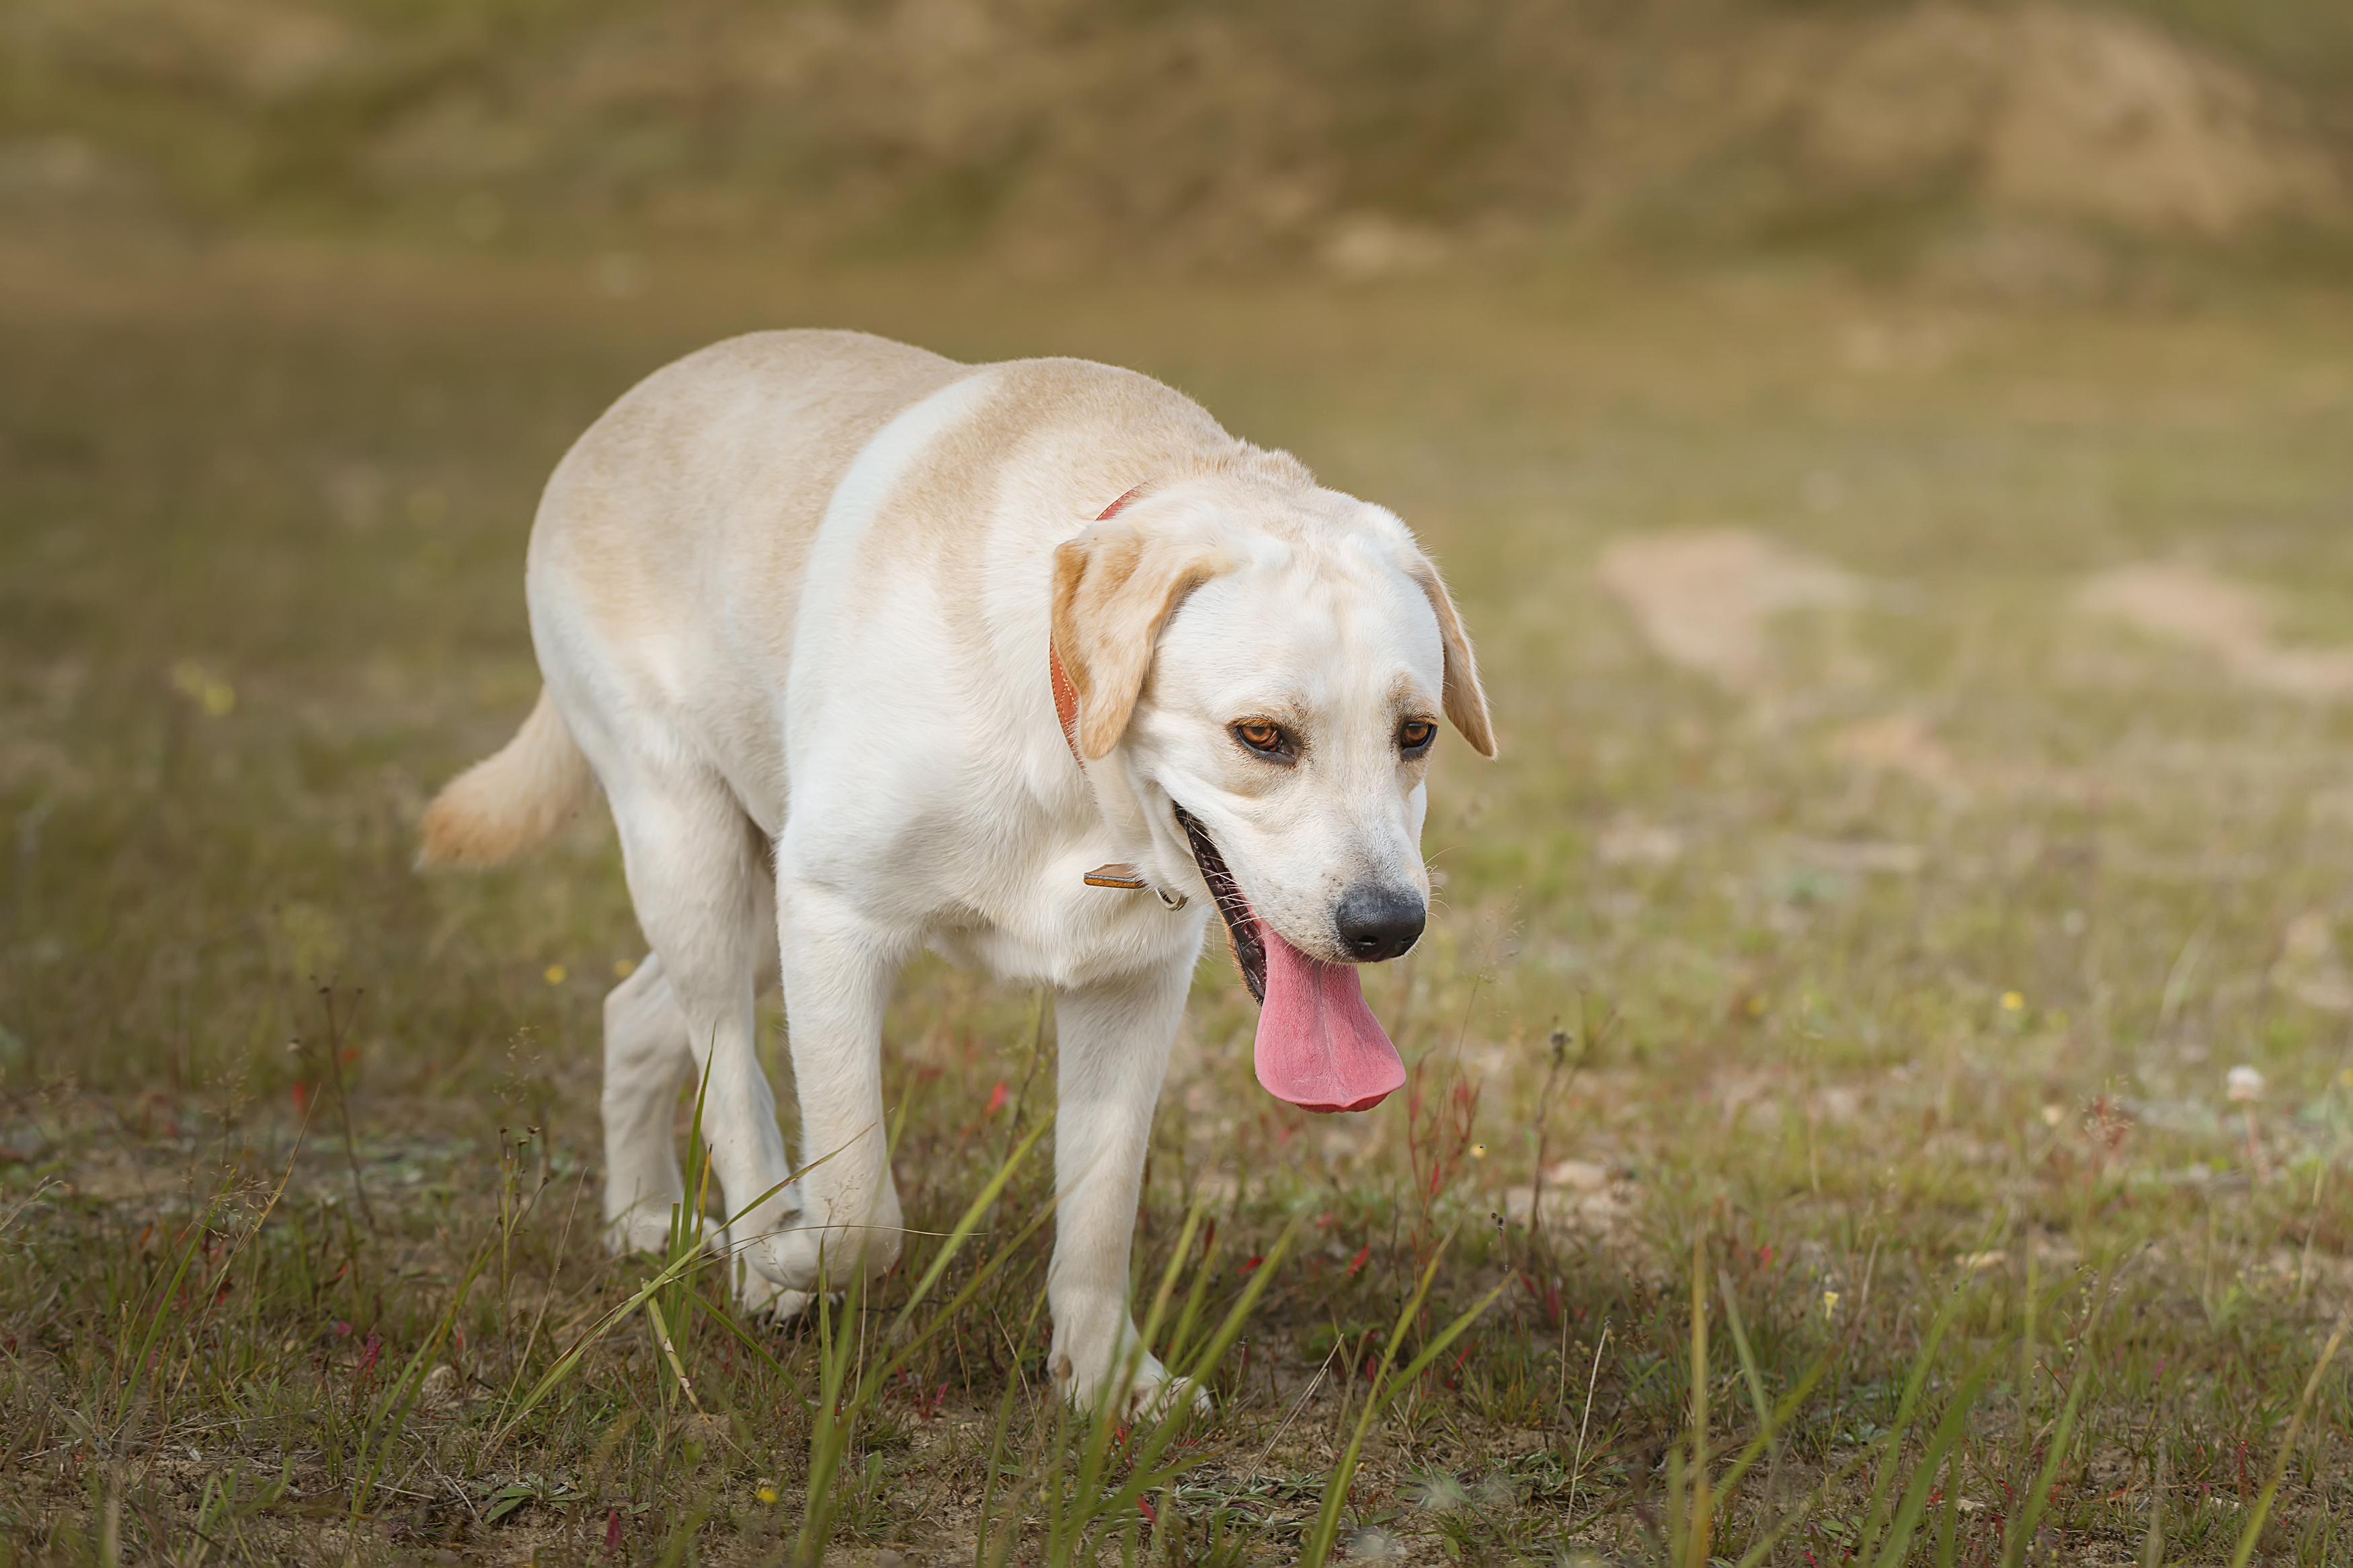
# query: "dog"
(1029, 663)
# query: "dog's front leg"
(838, 969)
(1115, 1042)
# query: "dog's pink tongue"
(1319, 1046)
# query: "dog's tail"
(514, 801)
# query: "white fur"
(823, 759)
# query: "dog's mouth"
(1318, 1047)
(1241, 926)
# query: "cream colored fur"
(513, 801)
(792, 598)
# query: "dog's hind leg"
(1114, 1051)
(645, 1059)
(697, 873)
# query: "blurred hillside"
(1371, 135)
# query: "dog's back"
(638, 536)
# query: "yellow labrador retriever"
(1031, 664)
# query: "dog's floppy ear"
(1115, 585)
(1466, 700)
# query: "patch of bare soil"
(1903, 744)
(1703, 597)
(2189, 605)
(1583, 1197)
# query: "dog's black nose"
(1378, 923)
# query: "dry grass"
(1891, 984)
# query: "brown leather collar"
(1118, 874)
(1066, 701)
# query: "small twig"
(1870, 1268)
(1592, 1378)
(553, 1273)
(2304, 1264)
(2176, 979)
(343, 1099)
(1298, 1404)
(2255, 1156)
(1560, 1392)
(1013, 1349)
(1560, 1040)
(462, 1498)
(30, 1198)
(1702, 1515)
(2152, 1546)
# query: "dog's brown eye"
(1415, 735)
(1260, 736)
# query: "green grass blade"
(1948, 1522)
(969, 1221)
(1147, 1473)
(1213, 1350)
(162, 1313)
(760, 1352)
(831, 1437)
(1891, 1460)
(1755, 1380)
(1188, 1321)
(2018, 1532)
(1947, 1435)
(1781, 1419)
(569, 1362)
(392, 1411)
(2261, 1511)
(1761, 1549)
(836, 1415)
(1326, 1533)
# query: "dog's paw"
(1141, 1390)
(640, 1230)
(777, 1307)
(797, 1256)
(1174, 1394)
(761, 1299)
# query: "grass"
(1827, 1200)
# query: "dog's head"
(1272, 665)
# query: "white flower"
(1376, 1545)
(2244, 1086)
(1438, 1492)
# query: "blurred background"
(1895, 459)
(2006, 146)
